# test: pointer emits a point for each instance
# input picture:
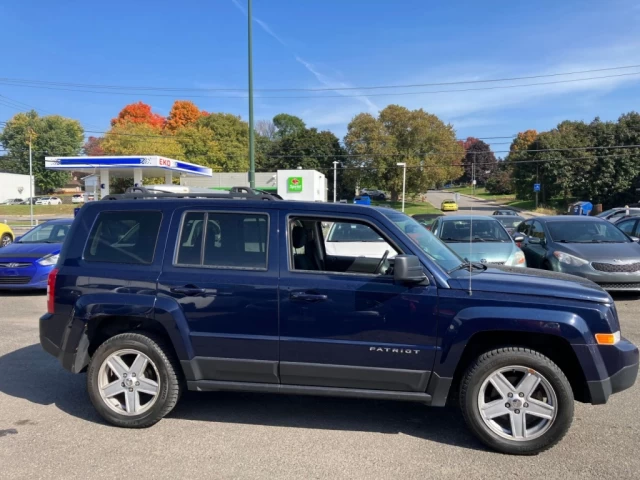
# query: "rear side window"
(229, 240)
(124, 237)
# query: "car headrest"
(298, 236)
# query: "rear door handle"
(307, 297)
(188, 290)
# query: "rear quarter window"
(124, 237)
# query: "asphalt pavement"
(48, 429)
(466, 204)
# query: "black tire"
(170, 384)
(6, 239)
(488, 363)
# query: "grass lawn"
(482, 193)
(555, 206)
(410, 208)
(64, 209)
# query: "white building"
(14, 185)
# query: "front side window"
(229, 240)
(537, 231)
(339, 246)
(124, 237)
(627, 226)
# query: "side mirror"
(535, 241)
(17, 239)
(518, 238)
(635, 239)
(408, 269)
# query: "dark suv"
(155, 295)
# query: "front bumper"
(610, 281)
(25, 278)
(608, 368)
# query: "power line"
(25, 82)
(244, 97)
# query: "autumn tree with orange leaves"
(139, 113)
(182, 114)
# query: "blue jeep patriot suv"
(156, 293)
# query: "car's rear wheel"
(6, 240)
(133, 380)
(516, 401)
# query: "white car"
(78, 198)
(355, 240)
(48, 201)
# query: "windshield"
(434, 248)
(352, 232)
(482, 230)
(586, 232)
(511, 222)
(46, 233)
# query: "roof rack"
(236, 193)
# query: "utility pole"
(252, 160)
(473, 175)
(538, 182)
(30, 181)
(404, 180)
(335, 165)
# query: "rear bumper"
(608, 368)
(67, 342)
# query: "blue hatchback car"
(26, 263)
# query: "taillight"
(51, 289)
(519, 244)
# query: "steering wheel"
(382, 260)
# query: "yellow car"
(449, 206)
(6, 235)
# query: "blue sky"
(329, 43)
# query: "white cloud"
(323, 78)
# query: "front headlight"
(570, 259)
(49, 260)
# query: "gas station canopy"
(138, 166)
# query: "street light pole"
(30, 183)
(335, 165)
(404, 180)
(252, 160)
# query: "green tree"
(286, 124)
(128, 138)
(232, 136)
(422, 140)
(51, 135)
(199, 146)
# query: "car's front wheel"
(6, 240)
(516, 401)
(133, 380)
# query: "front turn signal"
(608, 338)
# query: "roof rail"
(236, 193)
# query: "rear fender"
(90, 310)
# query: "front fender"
(456, 333)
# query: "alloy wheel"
(517, 403)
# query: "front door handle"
(189, 290)
(307, 297)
